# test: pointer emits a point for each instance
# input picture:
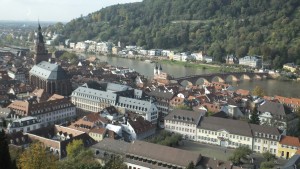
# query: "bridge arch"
(201, 81)
(231, 78)
(186, 83)
(244, 77)
(217, 79)
(257, 77)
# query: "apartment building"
(50, 112)
(184, 122)
(265, 138)
(252, 61)
(95, 97)
(223, 132)
(24, 124)
(288, 147)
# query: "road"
(221, 153)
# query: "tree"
(78, 157)
(254, 119)
(268, 156)
(191, 165)
(267, 165)
(36, 157)
(258, 91)
(5, 161)
(239, 154)
(74, 148)
(115, 162)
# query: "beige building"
(183, 122)
(223, 132)
(97, 134)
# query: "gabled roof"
(242, 92)
(274, 108)
(185, 116)
(232, 126)
(290, 141)
(264, 129)
(140, 125)
(161, 94)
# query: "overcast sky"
(52, 10)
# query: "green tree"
(115, 162)
(239, 154)
(254, 119)
(36, 157)
(67, 56)
(268, 156)
(78, 157)
(267, 165)
(191, 165)
(5, 161)
(74, 148)
(258, 91)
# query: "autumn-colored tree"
(37, 157)
(258, 91)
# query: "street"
(221, 153)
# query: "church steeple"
(40, 38)
(41, 54)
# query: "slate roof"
(116, 87)
(274, 108)
(161, 94)
(131, 102)
(265, 129)
(98, 94)
(192, 117)
(111, 145)
(232, 126)
(163, 153)
(140, 125)
(48, 71)
(294, 161)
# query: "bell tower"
(41, 54)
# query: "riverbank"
(202, 66)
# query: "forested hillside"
(219, 27)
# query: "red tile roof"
(290, 141)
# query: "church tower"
(41, 54)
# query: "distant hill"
(218, 27)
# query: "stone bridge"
(222, 77)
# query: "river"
(271, 87)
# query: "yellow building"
(288, 146)
(97, 133)
(290, 66)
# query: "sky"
(52, 10)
